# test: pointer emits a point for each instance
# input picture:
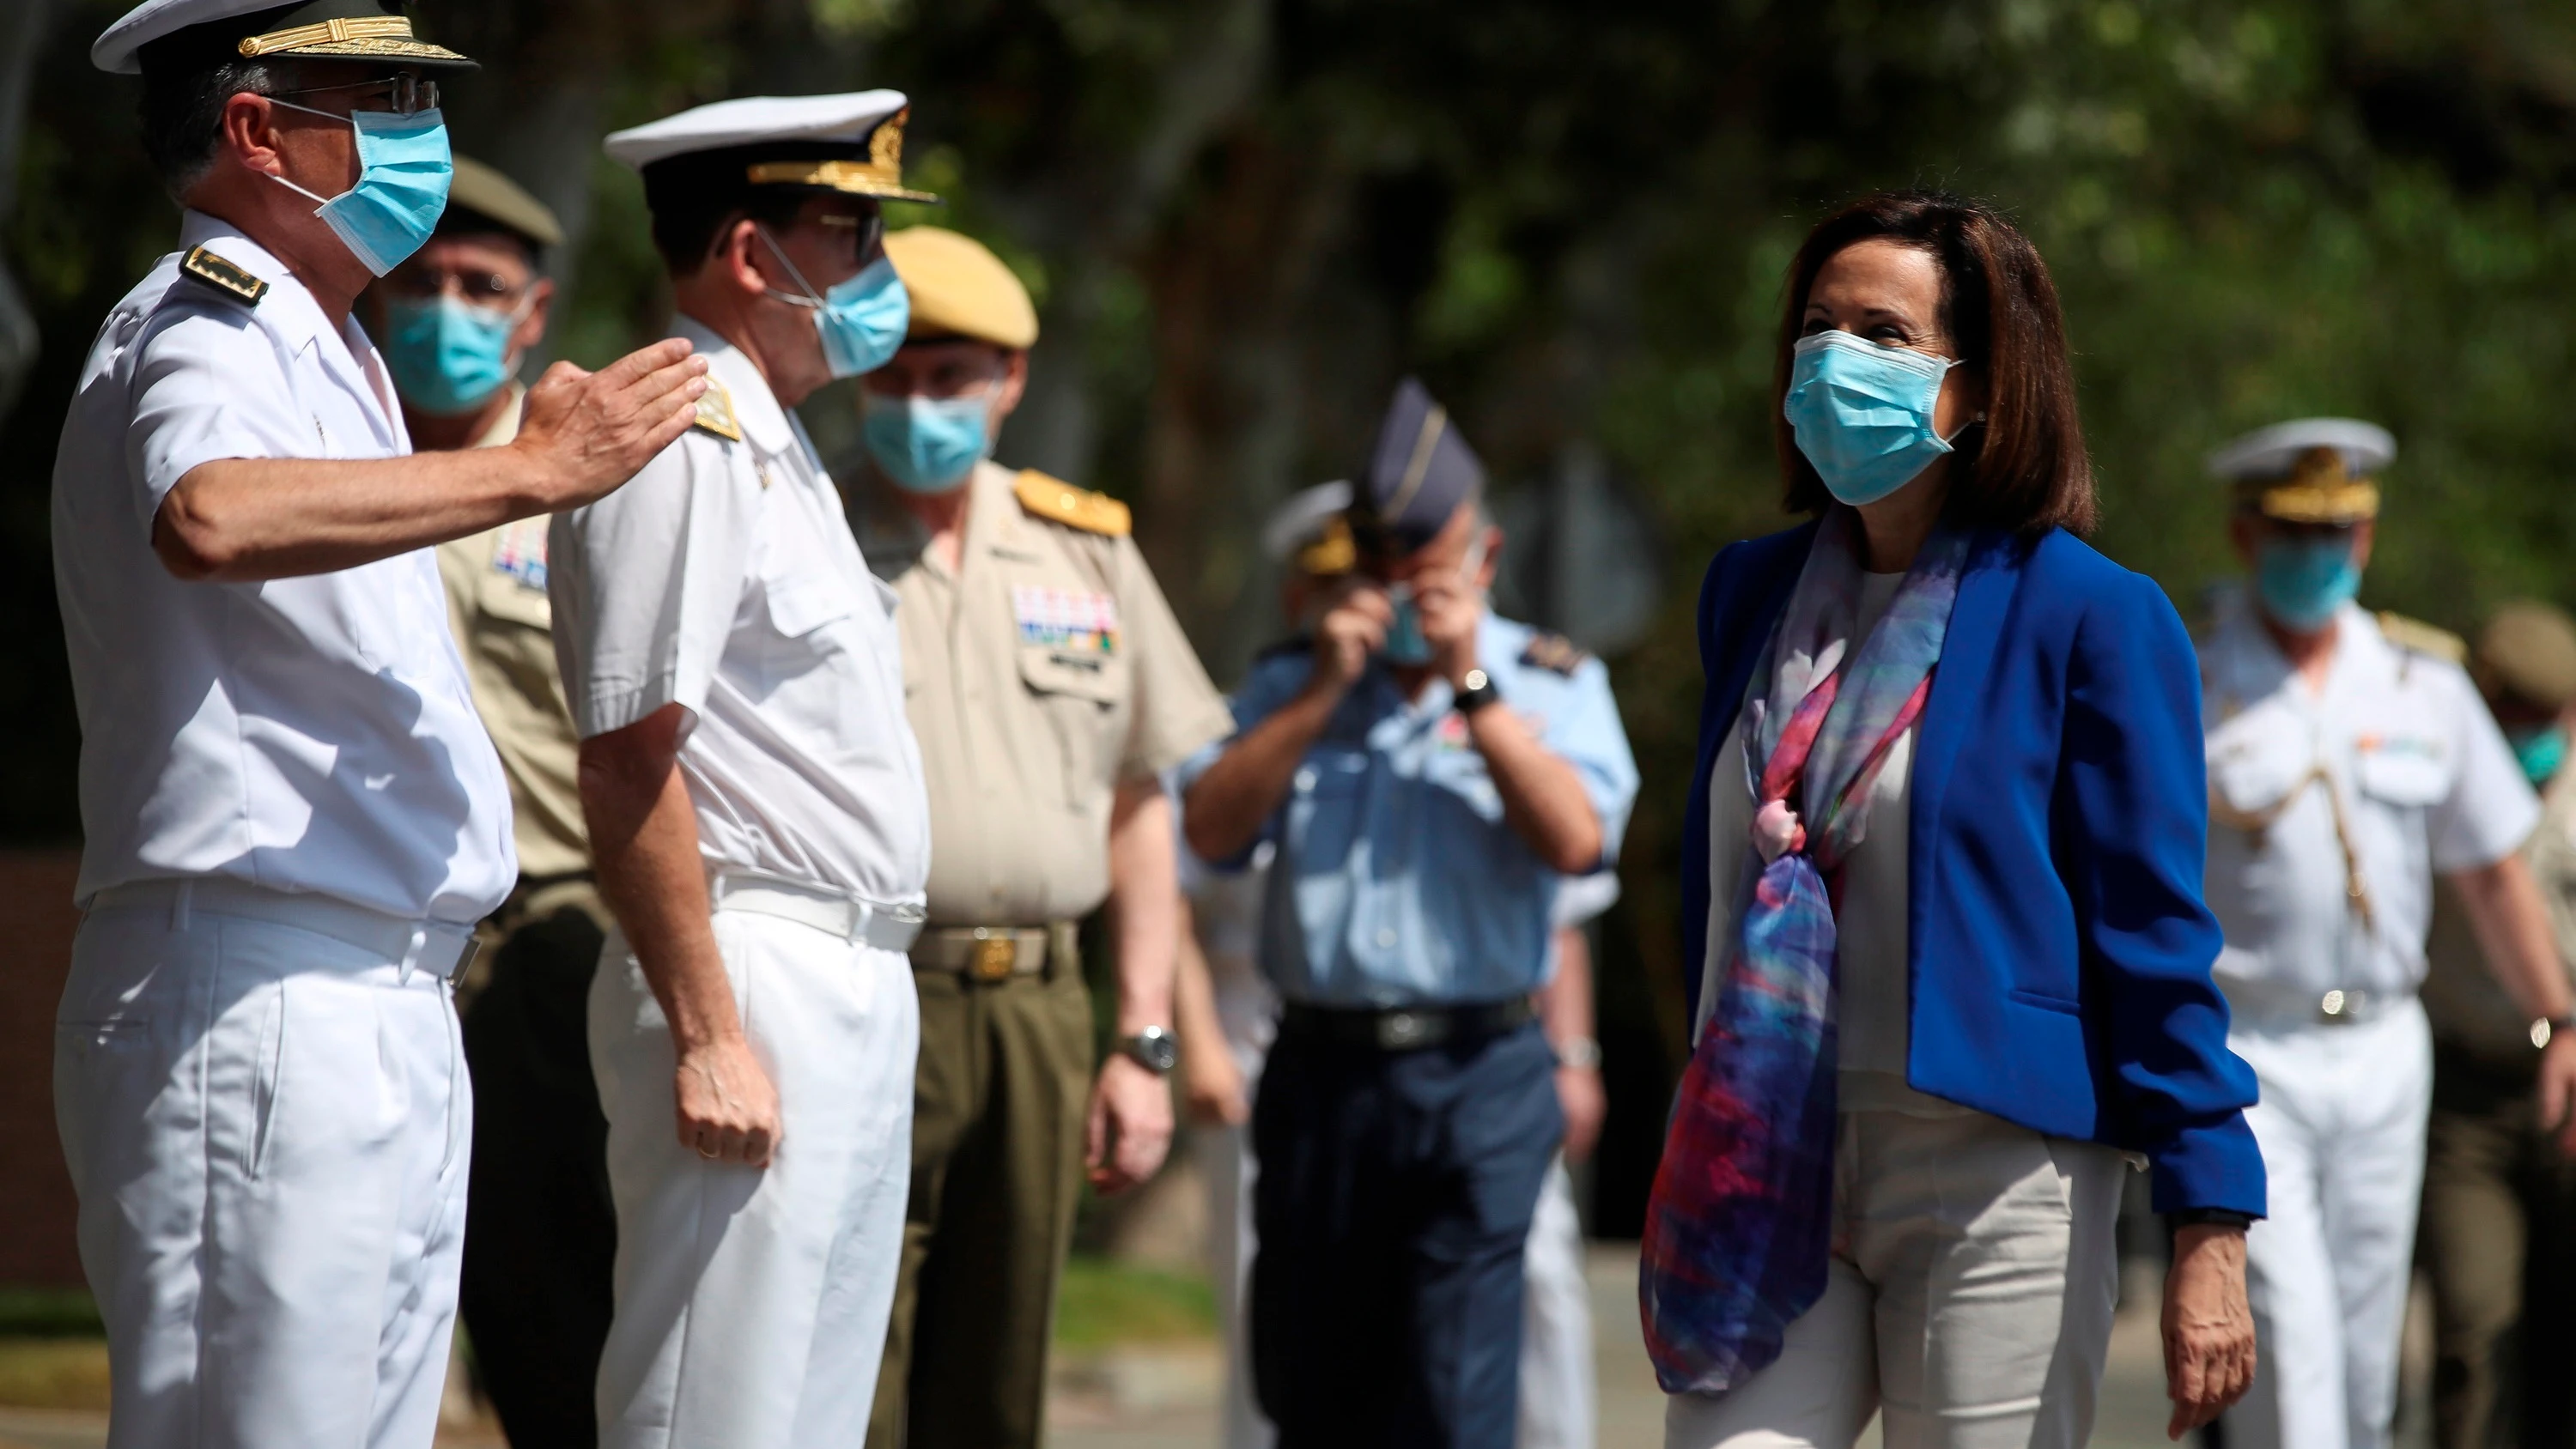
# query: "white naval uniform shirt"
(724, 578)
(2426, 781)
(303, 734)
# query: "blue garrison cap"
(1418, 474)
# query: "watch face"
(1155, 1048)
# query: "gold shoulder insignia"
(1554, 653)
(1057, 501)
(2416, 636)
(225, 277)
(715, 412)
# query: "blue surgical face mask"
(926, 444)
(2303, 580)
(2540, 749)
(862, 320)
(1862, 413)
(447, 355)
(403, 170)
(1406, 645)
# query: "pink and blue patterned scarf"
(1741, 1217)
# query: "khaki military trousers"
(1002, 1085)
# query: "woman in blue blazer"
(1949, 960)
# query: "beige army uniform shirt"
(2461, 996)
(496, 603)
(1041, 673)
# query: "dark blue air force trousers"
(1393, 1197)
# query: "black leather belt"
(1404, 1028)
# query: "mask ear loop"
(812, 298)
(320, 200)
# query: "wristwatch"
(1475, 692)
(1153, 1049)
(1581, 1053)
(2545, 1027)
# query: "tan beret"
(960, 289)
(2529, 649)
(486, 193)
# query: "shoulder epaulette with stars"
(1554, 653)
(224, 276)
(2417, 637)
(715, 412)
(1057, 501)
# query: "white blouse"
(1871, 949)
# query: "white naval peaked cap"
(2274, 452)
(360, 30)
(1303, 518)
(849, 142)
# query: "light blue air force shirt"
(1396, 882)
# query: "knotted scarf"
(1740, 1219)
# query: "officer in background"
(291, 819)
(2499, 1194)
(540, 1236)
(755, 806)
(1428, 773)
(1050, 687)
(2350, 762)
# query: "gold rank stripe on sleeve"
(715, 412)
(224, 276)
(1057, 501)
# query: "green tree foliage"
(1245, 218)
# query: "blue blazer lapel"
(1950, 715)
(1738, 603)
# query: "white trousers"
(1558, 1387)
(1225, 1161)
(1970, 1297)
(268, 1131)
(752, 1302)
(2341, 1125)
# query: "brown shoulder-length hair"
(2024, 468)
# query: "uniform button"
(1306, 781)
(1386, 935)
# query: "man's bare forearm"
(1144, 904)
(1228, 804)
(644, 847)
(2512, 926)
(1543, 799)
(269, 518)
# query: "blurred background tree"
(1245, 218)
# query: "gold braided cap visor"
(859, 178)
(2320, 489)
(365, 37)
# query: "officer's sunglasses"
(404, 94)
(473, 284)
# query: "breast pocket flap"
(2404, 776)
(799, 607)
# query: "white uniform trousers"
(1558, 1387)
(752, 1302)
(2341, 1125)
(1225, 1161)
(1970, 1296)
(268, 1131)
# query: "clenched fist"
(591, 431)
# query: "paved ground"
(1167, 1398)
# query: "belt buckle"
(1399, 1030)
(2342, 1008)
(995, 954)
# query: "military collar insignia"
(227, 277)
(1554, 653)
(715, 412)
(1057, 501)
